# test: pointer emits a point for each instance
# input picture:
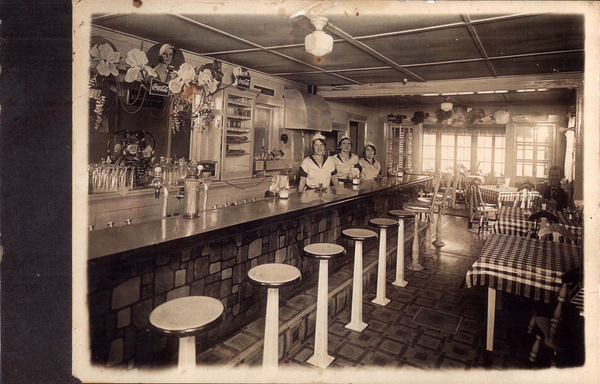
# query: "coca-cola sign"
(159, 88)
(243, 82)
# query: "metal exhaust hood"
(306, 111)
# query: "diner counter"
(116, 240)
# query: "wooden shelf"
(238, 135)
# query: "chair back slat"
(559, 230)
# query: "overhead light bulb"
(318, 43)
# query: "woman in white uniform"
(345, 160)
(370, 167)
(317, 169)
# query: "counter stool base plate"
(438, 243)
(321, 361)
(400, 283)
(383, 302)
(357, 327)
(417, 267)
(428, 253)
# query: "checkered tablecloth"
(466, 180)
(530, 268)
(514, 221)
(493, 195)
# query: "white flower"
(139, 70)
(184, 76)
(204, 77)
(104, 59)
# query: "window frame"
(474, 137)
(535, 162)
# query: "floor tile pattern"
(393, 340)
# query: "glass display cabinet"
(238, 134)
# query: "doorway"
(357, 135)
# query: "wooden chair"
(541, 219)
(470, 200)
(526, 185)
(557, 231)
(552, 332)
(482, 208)
(458, 193)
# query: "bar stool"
(322, 252)
(439, 202)
(426, 209)
(383, 224)
(358, 235)
(185, 317)
(401, 215)
(273, 276)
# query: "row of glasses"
(105, 177)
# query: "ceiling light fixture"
(318, 43)
(446, 106)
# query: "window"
(399, 148)
(449, 149)
(534, 149)
(448, 152)
(463, 150)
(429, 144)
(490, 154)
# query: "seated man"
(554, 196)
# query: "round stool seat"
(359, 234)
(427, 200)
(401, 214)
(186, 315)
(416, 207)
(274, 275)
(324, 250)
(382, 222)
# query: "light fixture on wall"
(318, 43)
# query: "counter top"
(112, 241)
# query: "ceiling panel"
(318, 79)
(540, 64)
(433, 47)
(387, 75)
(463, 70)
(258, 28)
(451, 44)
(376, 24)
(543, 33)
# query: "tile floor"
(394, 340)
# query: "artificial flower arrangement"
(104, 60)
(139, 69)
(207, 79)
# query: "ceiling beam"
(265, 49)
(370, 51)
(569, 80)
(479, 45)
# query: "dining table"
(530, 268)
(501, 195)
(515, 221)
